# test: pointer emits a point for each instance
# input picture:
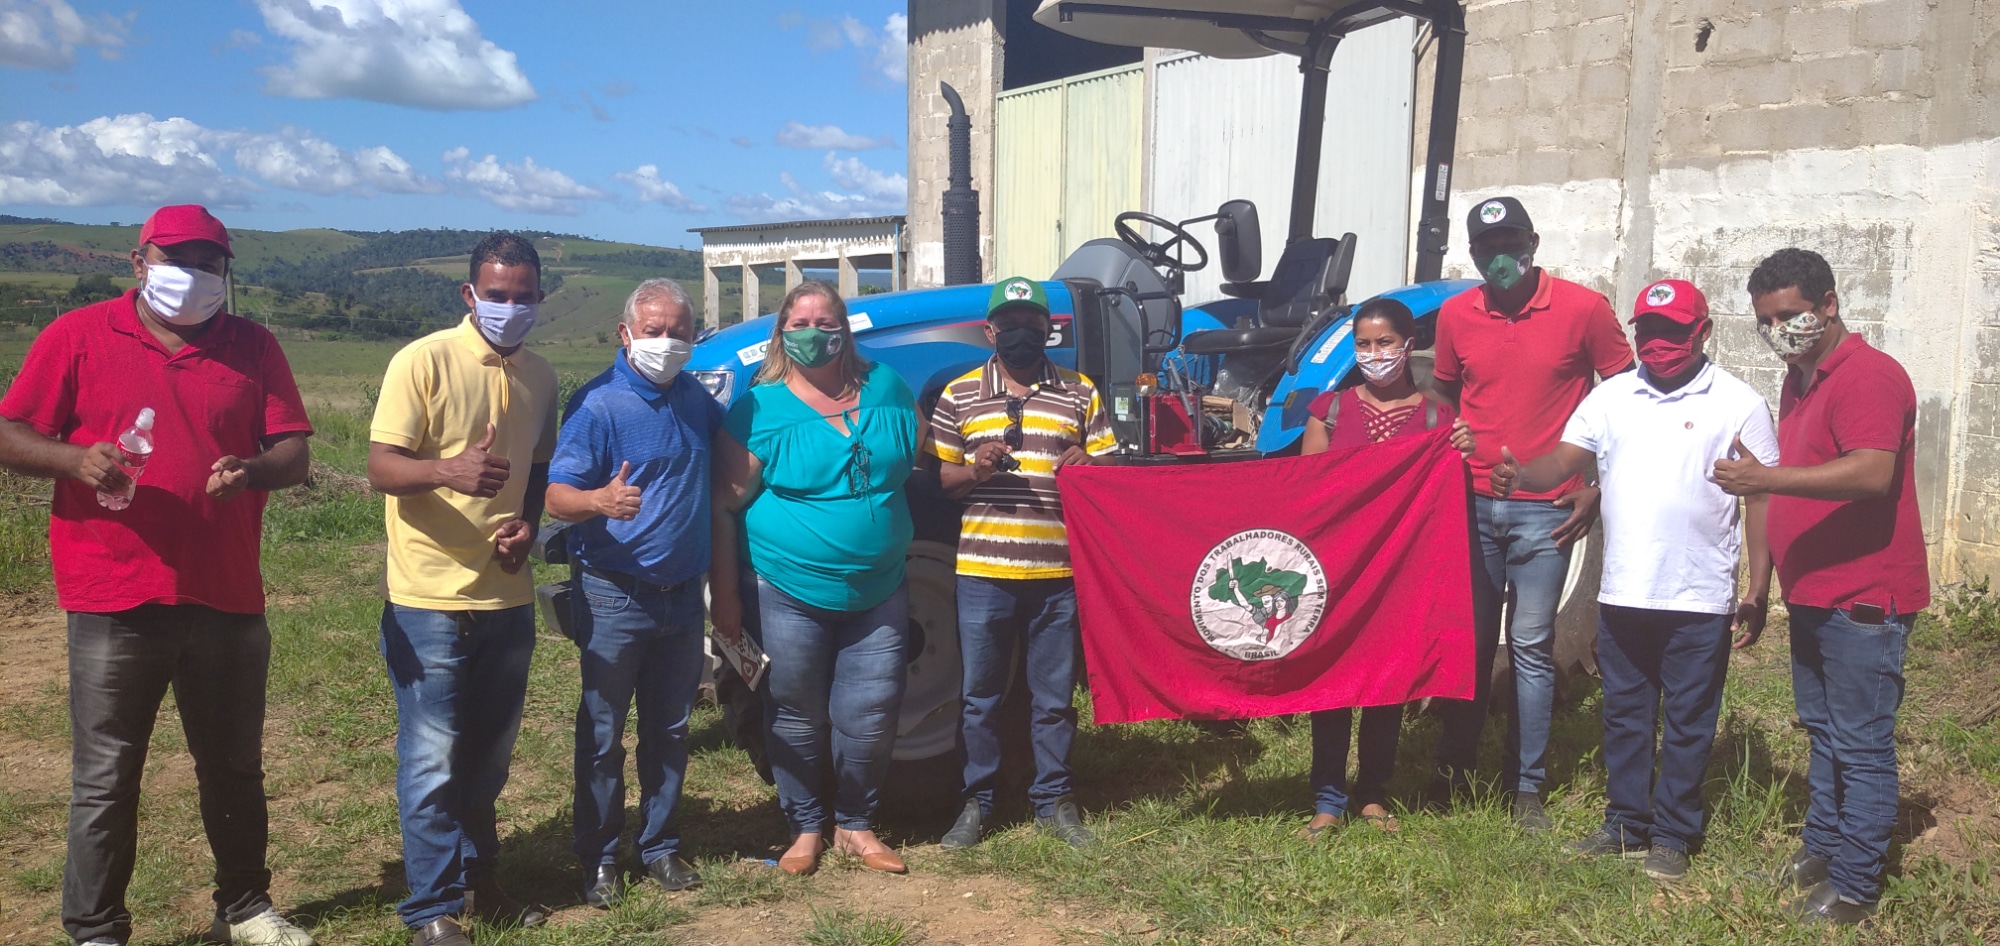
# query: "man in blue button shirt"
(631, 471)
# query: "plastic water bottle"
(135, 447)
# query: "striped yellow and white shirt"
(1013, 526)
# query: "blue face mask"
(505, 324)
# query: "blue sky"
(613, 118)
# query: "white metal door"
(1228, 128)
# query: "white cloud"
(44, 34)
(654, 189)
(822, 137)
(301, 162)
(137, 159)
(526, 187)
(885, 51)
(421, 53)
(863, 192)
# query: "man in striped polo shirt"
(999, 434)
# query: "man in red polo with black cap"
(159, 572)
(1517, 355)
(1667, 599)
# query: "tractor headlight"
(720, 382)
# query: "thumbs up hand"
(475, 472)
(1505, 474)
(619, 499)
(1741, 475)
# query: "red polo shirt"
(1868, 551)
(84, 381)
(1523, 376)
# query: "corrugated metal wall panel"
(1226, 129)
(1104, 146)
(1027, 182)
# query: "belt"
(632, 583)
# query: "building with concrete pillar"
(844, 246)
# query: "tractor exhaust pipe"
(961, 203)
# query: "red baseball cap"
(1677, 299)
(181, 223)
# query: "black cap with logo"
(1499, 213)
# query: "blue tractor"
(1209, 381)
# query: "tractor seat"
(1310, 277)
(1222, 341)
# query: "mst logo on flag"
(1258, 595)
(1347, 582)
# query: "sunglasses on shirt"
(1013, 437)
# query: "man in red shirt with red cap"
(159, 573)
(1849, 547)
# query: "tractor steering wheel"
(1161, 254)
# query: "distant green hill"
(333, 283)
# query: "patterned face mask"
(1382, 367)
(1795, 336)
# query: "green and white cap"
(1017, 292)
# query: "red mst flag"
(1237, 590)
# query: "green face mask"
(1506, 270)
(811, 347)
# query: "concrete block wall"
(1863, 129)
(959, 42)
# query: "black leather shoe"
(1529, 815)
(606, 887)
(1066, 824)
(1822, 904)
(443, 931)
(490, 904)
(1803, 871)
(673, 873)
(964, 832)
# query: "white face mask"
(1382, 367)
(183, 296)
(657, 359)
(504, 324)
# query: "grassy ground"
(1199, 824)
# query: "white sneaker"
(101, 941)
(264, 929)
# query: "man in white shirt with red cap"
(1668, 595)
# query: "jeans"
(1648, 657)
(1039, 616)
(1847, 682)
(831, 695)
(635, 638)
(120, 666)
(1517, 549)
(1381, 729)
(460, 679)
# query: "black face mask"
(1020, 347)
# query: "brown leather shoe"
(801, 865)
(886, 862)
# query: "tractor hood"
(1220, 28)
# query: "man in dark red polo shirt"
(1849, 547)
(159, 571)
(1517, 355)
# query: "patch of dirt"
(33, 655)
(941, 910)
(1964, 823)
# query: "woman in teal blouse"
(814, 458)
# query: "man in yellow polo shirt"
(461, 443)
(999, 434)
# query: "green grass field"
(1199, 822)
